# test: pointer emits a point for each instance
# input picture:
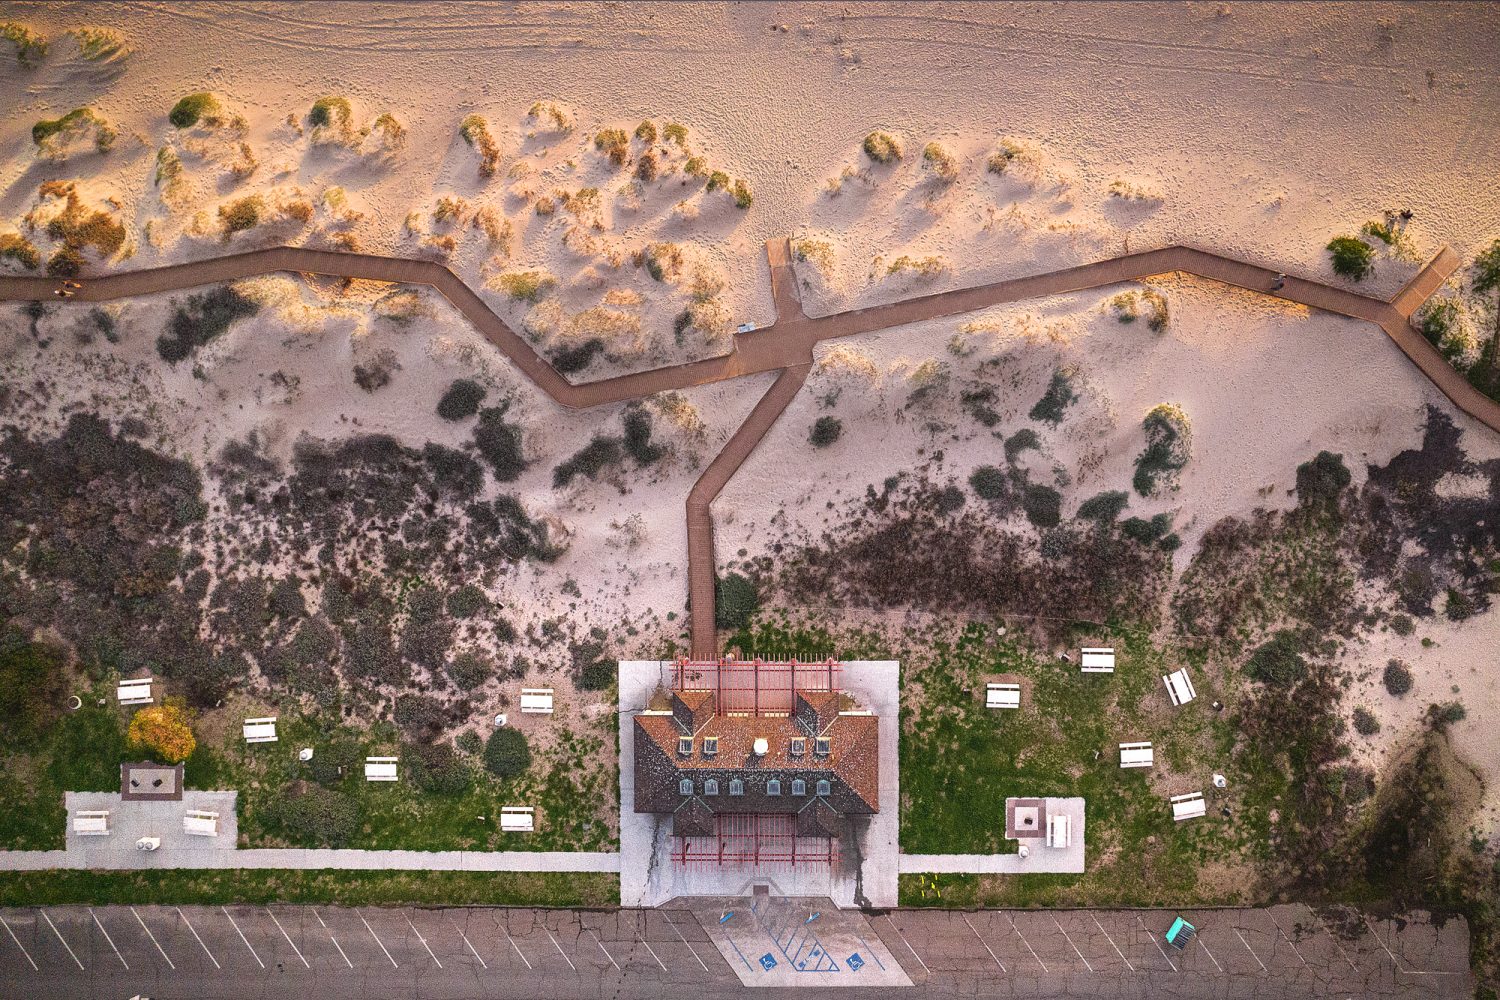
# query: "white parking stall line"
(1295, 950)
(1157, 943)
(159, 948)
(908, 945)
(653, 953)
(109, 939)
(986, 946)
(377, 938)
(565, 954)
(482, 963)
(421, 939)
(1086, 964)
(1250, 949)
(19, 945)
(195, 935)
(334, 940)
(1111, 941)
(605, 950)
(1376, 935)
(289, 938)
(62, 939)
(242, 937)
(1027, 944)
(1335, 938)
(519, 954)
(1209, 954)
(685, 941)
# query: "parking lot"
(252, 951)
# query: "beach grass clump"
(1448, 325)
(66, 262)
(31, 47)
(202, 107)
(391, 132)
(1169, 443)
(476, 132)
(168, 174)
(1352, 257)
(100, 44)
(331, 112)
(882, 147)
(921, 267)
(1123, 190)
(51, 134)
(818, 253)
(613, 143)
(675, 133)
(743, 199)
(940, 163)
(551, 116)
(526, 286)
(242, 214)
(646, 132)
(663, 261)
(14, 246)
(1135, 304)
(77, 226)
(201, 319)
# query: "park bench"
(91, 823)
(536, 701)
(200, 823)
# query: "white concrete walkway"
(125, 856)
(1042, 858)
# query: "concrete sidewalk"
(125, 856)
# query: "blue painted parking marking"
(768, 961)
(855, 963)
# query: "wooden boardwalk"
(787, 345)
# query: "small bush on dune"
(646, 168)
(476, 132)
(377, 371)
(527, 286)
(499, 443)
(242, 214)
(882, 147)
(1365, 723)
(1169, 442)
(940, 163)
(14, 246)
(65, 263)
(737, 599)
(596, 456)
(1058, 397)
(646, 132)
(331, 113)
(613, 143)
(742, 197)
(201, 319)
(1448, 325)
(550, 115)
(922, 267)
(1043, 505)
(568, 360)
(1000, 160)
(48, 133)
(99, 44)
(718, 180)
(989, 483)
(506, 754)
(1104, 508)
(390, 130)
(1397, 678)
(194, 108)
(461, 400)
(1352, 258)
(663, 261)
(31, 48)
(1131, 306)
(1321, 481)
(675, 133)
(825, 431)
(1278, 661)
(1024, 439)
(638, 431)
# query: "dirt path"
(787, 345)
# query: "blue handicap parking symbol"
(767, 962)
(855, 963)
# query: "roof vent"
(762, 747)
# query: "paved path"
(122, 855)
(700, 952)
(787, 345)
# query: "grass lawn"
(338, 888)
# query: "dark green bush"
(1365, 723)
(950, 500)
(469, 670)
(825, 431)
(1139, 529)
(590, 461)
(32, 687)
(989, 483)
(1043, 505)
(1020, 441)
(1444, 715)
(598, 674)
(1352, 257)
(187, 112)
(1278, 661)
(467, 601)
(736, 601)
(568, 360)
(461, 400)
(202, 318)
(334, 761)
(1168, 445)
(1058, 397)
(506, 754)
(420, 716)
(470, 742)
(1105, 507)
(638, 443)
(315, 818)
(500, 443)
(1322, 480)
(65, 262)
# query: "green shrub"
(506, 754)
(718, 180)
(65, 262)
(1105, 508)
(242, 214)
(470, 742)
(1024, 439)
(614, 143)
(1169, 442)
(1322, 480)
(1402, 625)
(316, 818)
(675, 133)
(597, 674)
(950, 500)
(1352, 258)
(499, 443)
(461, 400)
(32, 687)
(14, 246)
(1146, 531)
(1043, 505)
(989, 483)
(476, 132)
(436, 768)
(882, 147)
(1130, 306)
(638, 443)
(1278, 661)
(646, 132)
(467, 601)
(527, 286)
(330, 112)
(201, 319)
(1444, 715)
(1058, 397)
(77, 120)
(568, 360)
(1365, 723)
(825, 431)
(736, 600)
(742, 196)
(663, 261)
(99, 44)
(590, 461)
(470, 670)
(194, 108)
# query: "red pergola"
(756, 687)
(759, 841)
